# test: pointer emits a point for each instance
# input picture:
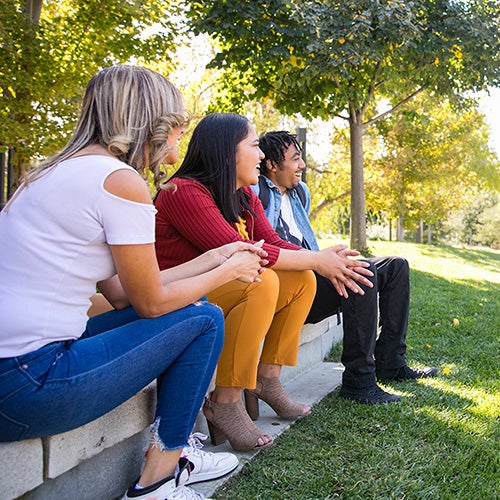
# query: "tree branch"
(394, 108)
(373, 86)
(327, 201)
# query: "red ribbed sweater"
(188, 223)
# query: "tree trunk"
(400, 233)
(429, 235)
(34, 9)
(358, 208)
(18, 163)
(420, 232)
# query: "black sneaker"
(405, 373)
(368, 395)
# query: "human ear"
(271, 166)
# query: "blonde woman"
(85, 218)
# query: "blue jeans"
(64, 385)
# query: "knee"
(309, 281)
(304, 283)
(214, 314)
(267, 289)
(402, 265)
(398, 270)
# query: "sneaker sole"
(202, 478)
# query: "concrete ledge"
(25, 465)
(105, 476)
(316, 341)
(21, 467)
(64, 451)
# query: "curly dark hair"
(274, 145)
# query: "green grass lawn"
(443, 440)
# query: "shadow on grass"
(441, 441)
(431, 445)
(453, 325)
(434, 444)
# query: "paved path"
(311, 387)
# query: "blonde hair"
(130, 111)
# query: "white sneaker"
(170, 488)
(207, 465)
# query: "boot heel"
(270, 390)
(230, 421)
(252, 404)
(217, 436)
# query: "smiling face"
(248, 158)
(287, 174)
(173, 140)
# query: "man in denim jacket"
(286, 200)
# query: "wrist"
(213, 258)
(230, 269)
(314, 260)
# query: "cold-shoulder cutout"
(128, 184)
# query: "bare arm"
(114, 292)
(210, 260)
(139, 281)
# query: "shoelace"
(195, 441)
(185, 493)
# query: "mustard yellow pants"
(273, 310)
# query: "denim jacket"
(300, 213)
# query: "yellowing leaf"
(296, 62)
(457, 52)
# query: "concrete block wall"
(34, 464)
(99, 460)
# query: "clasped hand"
(344, 273)
(248, 259)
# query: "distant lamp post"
(301, 137)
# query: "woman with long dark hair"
(208, 202)
(85, 218)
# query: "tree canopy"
(423, 163)
(332, 58)
(433, 162)
(50, 49)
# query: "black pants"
(388, 302)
